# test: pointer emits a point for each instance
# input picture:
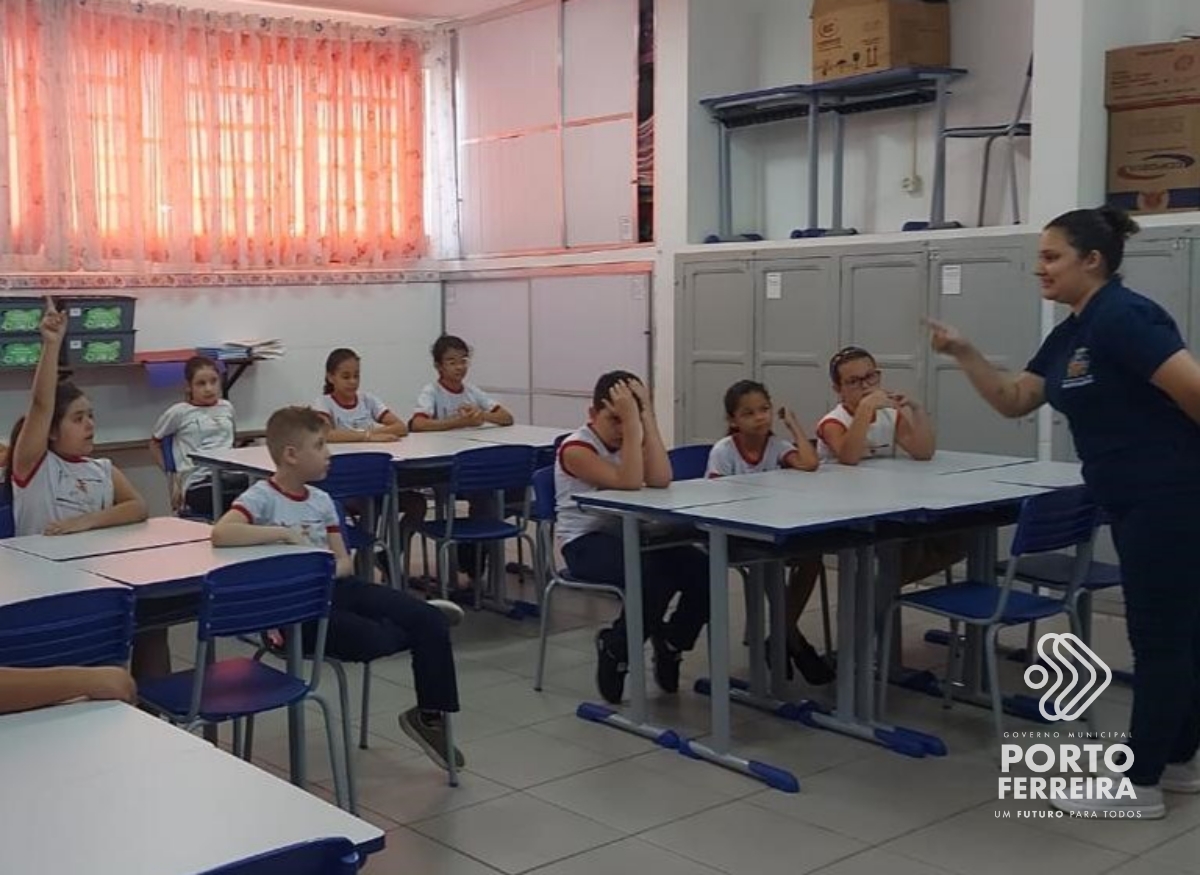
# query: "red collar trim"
(302, 496)
(461, 387)
(601, 441)
(344, 406)
(67, 458)
(746, 455)
(211, 404)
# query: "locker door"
(883, 297)
(797, 318)
(988, 293)
(715, 336)
(1159, 267)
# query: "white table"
(1052, 475)
(518, 435)
(154, 532)
(24, 577)
(838, 498)
(103, 788)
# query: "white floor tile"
(522, 758)
(627, 796)
(517, 833)
(876, 862)
(744, 840)
(594, 736)
(1182, 853)
(629, 856)
(416, 789)
(519, 703)
(408, 851)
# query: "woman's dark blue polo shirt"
(1134, 441)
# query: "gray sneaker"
(452, 612)
(430, 734)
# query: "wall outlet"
(912, 184)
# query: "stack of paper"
(234, 350)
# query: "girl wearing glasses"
(870, 421)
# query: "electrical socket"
(912, 184)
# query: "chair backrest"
(491, 468)
(690, 462)
(265, 594)
(544, 498)
(1055, 521)
(332, 856)
(166, 444)
(358, 475)
(92, 627)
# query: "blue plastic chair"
(487, 469)
(690, 462)
(244, 599)
(1052, 521)
(90, 627)
(368, 478)
(549, 575)
(333, 856)
(167, 445)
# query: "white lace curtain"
(145, 136)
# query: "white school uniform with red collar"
(881, 433)
(729, 456)
(366, 411)
(311, 512)
(60, 488)
(570, 521)
(196, 427)
(439, 401)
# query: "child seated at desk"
(451, 403)
(202, 421)
(57, 488)
(871, 422)
(620, 448)
(367, 621)
(751, 446)
(23, 689)
(356, 416)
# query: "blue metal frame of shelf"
(869, 92)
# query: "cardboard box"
(851, 37)
(1152, 74)
(1154, 158)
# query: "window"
(137, 135)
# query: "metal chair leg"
(238, 738)
(983, 183)
(993, 633)
(952, 666)
(340, 778)
(886, 658)
(339, 672)
(826, 628)
(544, 632)
(364, 721)
(248, 739)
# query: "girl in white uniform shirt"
(751, 446)
(355, 416)
(204, 421)
(57, 488)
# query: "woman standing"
(1119, 371)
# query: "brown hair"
(844, 355)
(1104, 230)
(335, 360)
(193, 366)
(66, 393)
(288, 425)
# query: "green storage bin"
(98, 313)
(110, 348)
(21, 315)
(20, 350)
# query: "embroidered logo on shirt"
(1079, 370)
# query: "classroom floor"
(546, 792)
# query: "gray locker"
(715, 333)
(1159, 266)
(883, 297)
(991, 296)
(796, 315)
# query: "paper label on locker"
(774, 286)
(951, 279)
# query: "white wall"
(991, 39)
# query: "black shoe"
(812, 665)
(787, 660)
(610, 668)
(666, 665)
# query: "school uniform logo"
(1079, 370)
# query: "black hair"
(448, 343)
(66, 393)
(739, 390)
(193, 366)
(1103, 229)
(843, 356)
(608, 382)
(335, 360)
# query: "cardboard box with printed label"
(1154, 158)
(1137, 76)
(851, 37)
